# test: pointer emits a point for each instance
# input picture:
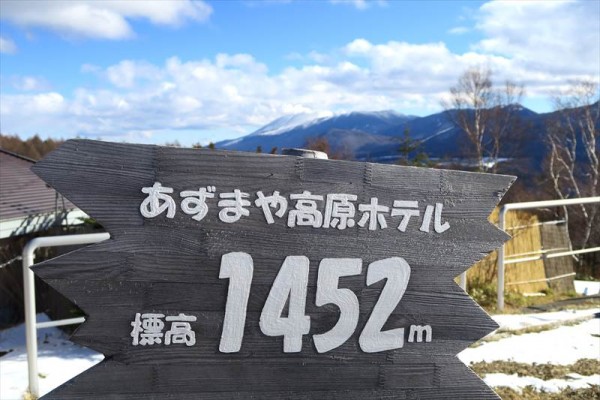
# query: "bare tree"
(574, 162)
(484, 112)
(504, 124)
(321, 143)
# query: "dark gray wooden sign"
(237, 275)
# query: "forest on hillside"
(34, 147)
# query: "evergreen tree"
(411, 153)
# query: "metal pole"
(525, 206)
(572, 252)
(62, 322)
(30, 329)
(550, 255)
(551, 203)
(29, 294)
(500, 290)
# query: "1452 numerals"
(290, 287)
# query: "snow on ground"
(587, 288)
(58, 360)
(563, 345)
(575, 381)
(521, 321)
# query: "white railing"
(529, 205)
(29, 293)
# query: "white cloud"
(234, 93)
(90, 68)
(415, 68)
(38, 104)
(100, 19)
(29, 83)
(125, 73)
(360, 4)
(312, 56)
(459, 30)
(560, 37)
(265, 3)
(7, 46)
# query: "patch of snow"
(438, 133)
(231, 142)
(550, 386)
(587, 288)
(488, 162)
(59, 360)
(521, 321)
(385, 114)
(564, 345)
(288, 122)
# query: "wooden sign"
(238, 275)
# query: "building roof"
(24, 195)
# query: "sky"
(201, 71)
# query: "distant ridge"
(295, 130)
(375, 136)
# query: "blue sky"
(200, 71)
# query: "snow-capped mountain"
(376, 136)
(288, 122)
(295, 130)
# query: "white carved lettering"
(152, 206)
(328, 292)
(233, 206)
(339, 211)
(397, 272)
(238, 268)
(406, 209)
(291, 282)
(306, 212)
(194, 201)
(373, 214)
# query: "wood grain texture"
(172, 266)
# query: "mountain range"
(376, 136)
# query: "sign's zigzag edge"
(39, 169)
(458, 379)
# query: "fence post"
(30, 315)
(525, 206)
(29, 296)
(500, 300)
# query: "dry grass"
(529, 393)
(485, 295)
(29, 396)
(542, 371)
(588, 366)
(525, 239)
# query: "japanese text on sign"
(148, 329)
(290, 288)
(340, 211)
